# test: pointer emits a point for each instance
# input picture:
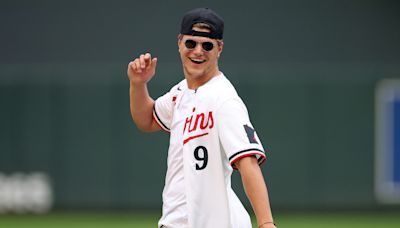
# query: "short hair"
(202, 26)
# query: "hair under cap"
(203, 15)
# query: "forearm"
(141, 105)
(256, 190)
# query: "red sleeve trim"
(158, 121)
(261, 158)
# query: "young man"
(210, 133)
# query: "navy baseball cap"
(203, 15)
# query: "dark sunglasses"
(191, 44)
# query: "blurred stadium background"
(308, 71)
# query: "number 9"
(203, 158)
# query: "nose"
(198, 49)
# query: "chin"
(194, 73)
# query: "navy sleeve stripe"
(158, 120)
(244, 151)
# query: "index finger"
(148, 59)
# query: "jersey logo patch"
(174, 100)
(250, 134)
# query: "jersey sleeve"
(162, 111)
(237, 135)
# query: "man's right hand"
(142, 69)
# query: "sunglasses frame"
(203, 45)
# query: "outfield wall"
(308, 78)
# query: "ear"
(220, 48)
(179, 42)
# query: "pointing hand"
(142, 69)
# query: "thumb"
(154, 63)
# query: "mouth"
(197, 61)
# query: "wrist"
(267, 224)
(138, 85)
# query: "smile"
(197, 61)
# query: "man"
(210, 133)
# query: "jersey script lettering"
(199, 121)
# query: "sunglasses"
(191, 44)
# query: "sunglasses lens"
(208, 46)
(190, 44)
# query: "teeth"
(198, 60)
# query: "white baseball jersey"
(209, 131)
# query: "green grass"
(149, 220)
(342, 220)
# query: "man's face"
(196, 61)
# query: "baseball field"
(387, 219)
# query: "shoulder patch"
(250, 134)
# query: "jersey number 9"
(201, 155)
